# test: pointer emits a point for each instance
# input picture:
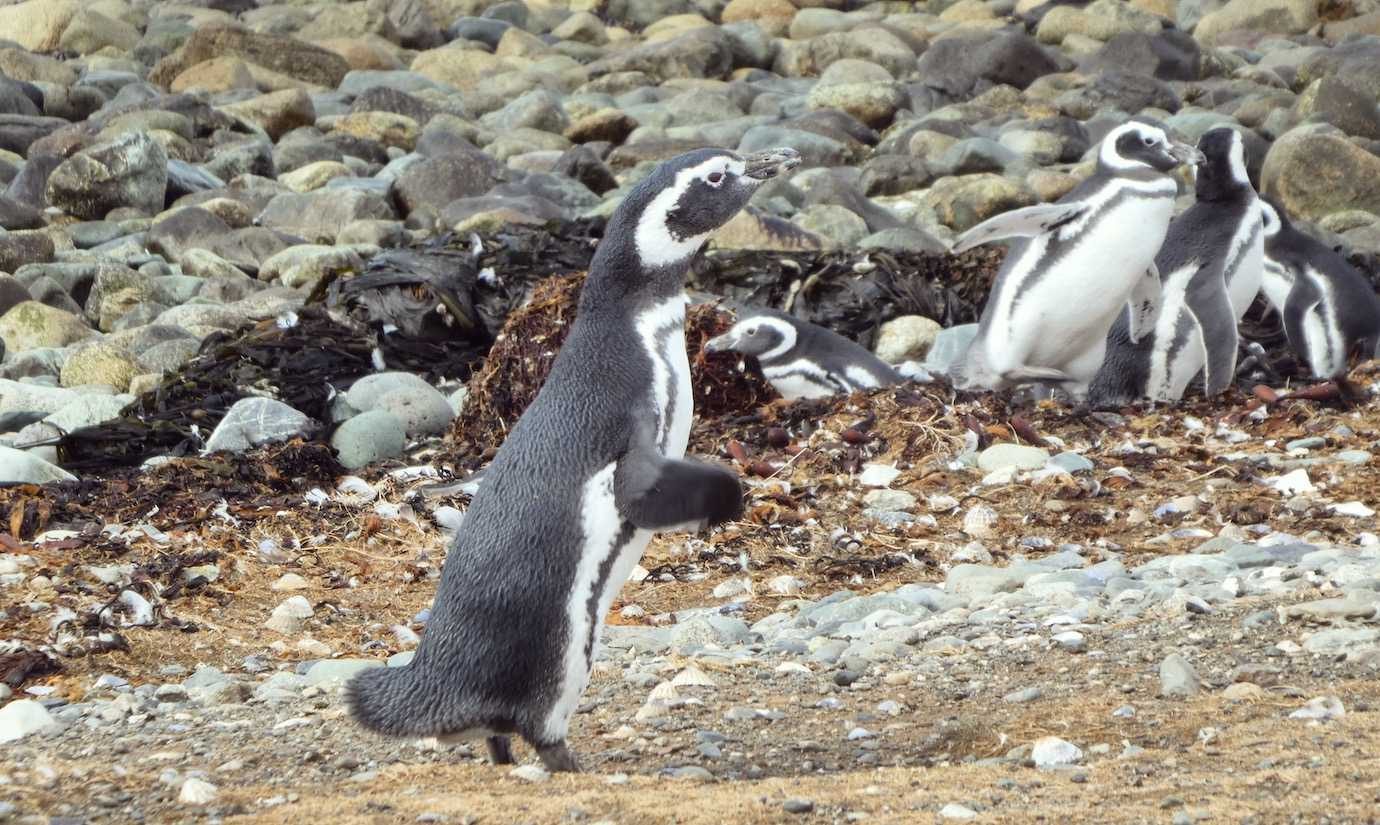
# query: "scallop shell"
(693, 677)
(979, 522)
(663, 692)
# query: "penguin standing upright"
(1211, 268)
(591, 469)
(1329, 309)
(803, 360)
(1075, 264)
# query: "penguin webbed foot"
(558, 758)
(500, 750)
(656, 493)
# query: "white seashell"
(663, 692)
(979, 522)
(942, 503)
(693, 677)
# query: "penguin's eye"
(716, 178)
(1149, 140)
(752, 332)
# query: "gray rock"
(26, 468)
(1177, 677)
(253, 422)
(368, 437)
(131, 171)
(1071, 462)
(979, 581)
(1121, 90)
(1020, 456)
(435, 182)
(420, 407)
(337, 671)
(1168, 55)
(949, 347)
(319, 216)
(1341, 641)
(962, 66)
(815, 149)
(23, 717)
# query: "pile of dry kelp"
(525, 350)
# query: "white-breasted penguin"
(1073, 265)
(590, 470)
(1211, 266)
(803, 360)
(1330, 310)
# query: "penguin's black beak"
(1183, 153)
(768, 164)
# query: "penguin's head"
(1223, 170)
(764, 337)
(1138, 145)
(673, 211)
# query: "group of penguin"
(1098, 288)
(1109, 297)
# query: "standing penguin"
(803, 360)
(1329, 309)
(1074, 265)
(592, 468)
(1211, 267)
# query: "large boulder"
(190, 228)
(37, 25)
(1265, 16)
(30, 325)
(699, 53)
(962, 66)
(1314, 174)
(131, 171)
(277, 113)
(287, 55)
(435, 182)
(319, 216)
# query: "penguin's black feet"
(500, 750)
(557, 758)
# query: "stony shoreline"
(938, 608)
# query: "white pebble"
(196, 792)
(1051, 751)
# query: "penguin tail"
(387, 700)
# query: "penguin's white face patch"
(762, 336)
(1269, 218)
(677, 222)
(1237, 159)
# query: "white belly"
(1248, 278)
(662, 332)
(799, 379)
(602, 526)
(1168, 379)
(1070, 309)
(1276, 284)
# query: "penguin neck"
(619, 282)
(1220, 185)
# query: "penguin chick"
(1073, 265)
(588, 473)
(1210, 268)
(1329, 309)
(801, 359)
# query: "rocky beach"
(276, 277)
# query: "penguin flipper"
(1027, 222)
(1144, 304)
(1217, 326)
(656, 493)
(1022, 375)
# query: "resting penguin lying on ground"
(801, 359)
(1329, 309)
(1073, 266)
(591, 469)
(1210, 267)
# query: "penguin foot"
(557, 758)
(500, 750)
